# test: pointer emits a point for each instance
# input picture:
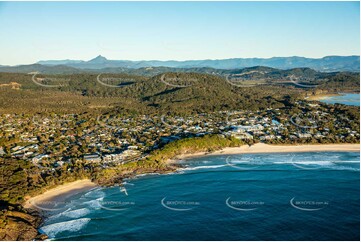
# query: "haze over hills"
(325, 64)
(247, 68)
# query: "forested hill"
(257, 72)
(251, 88)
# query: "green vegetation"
(207, 143)
(144, 94)
(156, 162)
(21, 178)
(45, 132)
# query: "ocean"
(278, 196)
(352, 99)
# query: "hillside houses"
(115, 139)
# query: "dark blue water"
(300, 196)
(346, 98)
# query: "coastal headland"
(62, 192)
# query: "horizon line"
(184, 60)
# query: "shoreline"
(59, 194)
(266, 148)
(322, 96)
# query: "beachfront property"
(249, 128)
(92, 157)
(51, 139)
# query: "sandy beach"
(265, 148)
(59, 194)
(322, 96)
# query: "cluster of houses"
(59, 139)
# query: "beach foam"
(70, 226)
(280, 173)
(94, 204)
(77, 213)
(95, 193)
(201, 167)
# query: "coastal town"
(52, 141)
(180, 121)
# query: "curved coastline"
(321, 96)
(265, 148)
(324, 96)
(62, 192)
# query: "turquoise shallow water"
(346, 98)
(288, 196)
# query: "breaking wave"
(201, 167)
(70, 226)
(77, 213)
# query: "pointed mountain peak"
(98, 59)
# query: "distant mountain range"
(325, 64)
(102, 64)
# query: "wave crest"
(71, 226)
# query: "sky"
(33, 31)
